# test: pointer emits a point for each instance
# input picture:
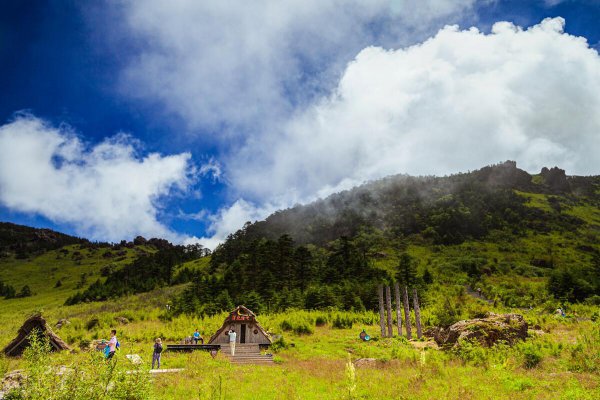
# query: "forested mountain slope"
(524, 240)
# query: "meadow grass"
(560, 364)
(312, 358)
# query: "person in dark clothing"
(158, 348)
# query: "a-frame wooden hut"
(244, 323)
(35, 324)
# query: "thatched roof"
(37, 324)
(240, 314)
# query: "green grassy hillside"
(529, 243)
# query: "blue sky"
(186, 119)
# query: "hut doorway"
(243, 333)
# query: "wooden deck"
(192, 347)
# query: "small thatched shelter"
(244, 323)
(35, 324)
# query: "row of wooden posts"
(400, 303)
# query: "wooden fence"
(385, 311)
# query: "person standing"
(232, 338)
(158, 348)
(112, 344)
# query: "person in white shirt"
(232, 337)
(112, 344)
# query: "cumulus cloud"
(239, 67)
(458, 101)
(229, 219)
(410, 101)
(106, 192)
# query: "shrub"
(91, 379)
(300, 325)
(342, 322)
(279, 344)
(471, 352)
(3, 365)
(25, 292)
(585, 355)
(92, 323)
(593, 300)
(532, 355)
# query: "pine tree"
(406, 272)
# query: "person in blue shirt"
(196, 336)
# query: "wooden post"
(407, 313)
(388, 296)
(381, 312)
(398, 307)
(417, 313)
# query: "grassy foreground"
(312, 362)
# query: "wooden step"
(246, 353)
(252, 361)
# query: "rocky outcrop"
(62, 322)
(494, 328)
(122, 320)
(12, 381)
(556, 179)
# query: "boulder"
(487, 331)
(62, 322)
(134, 359)
(365, 363)
(122, 320)
(13, 380)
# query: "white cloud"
(106, 192)
(244, 69)
(456, 102)
(245, 65)
(211, 168)
(230, 219)
(552, 3)
(274, 74)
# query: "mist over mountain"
(445, 209)
(523, 238)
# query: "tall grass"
(92, 378)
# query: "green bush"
(92, 379)
(3, 365)
(279, 344)
(92, 323)
(532, 355)
(585, 355)
(298, 324)
(342, 322)
(471, 352)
